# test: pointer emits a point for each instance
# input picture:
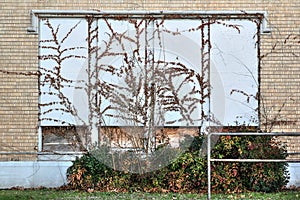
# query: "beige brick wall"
(18, 53)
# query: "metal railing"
(209, 159)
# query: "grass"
(71, 194)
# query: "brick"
(279, 71)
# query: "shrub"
(260, 177)
(188, 173)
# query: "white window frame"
(36, 14)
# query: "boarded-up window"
(145, 71)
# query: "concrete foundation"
(53, 174)
(33, 174)
(294, 170)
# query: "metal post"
(208, 168)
